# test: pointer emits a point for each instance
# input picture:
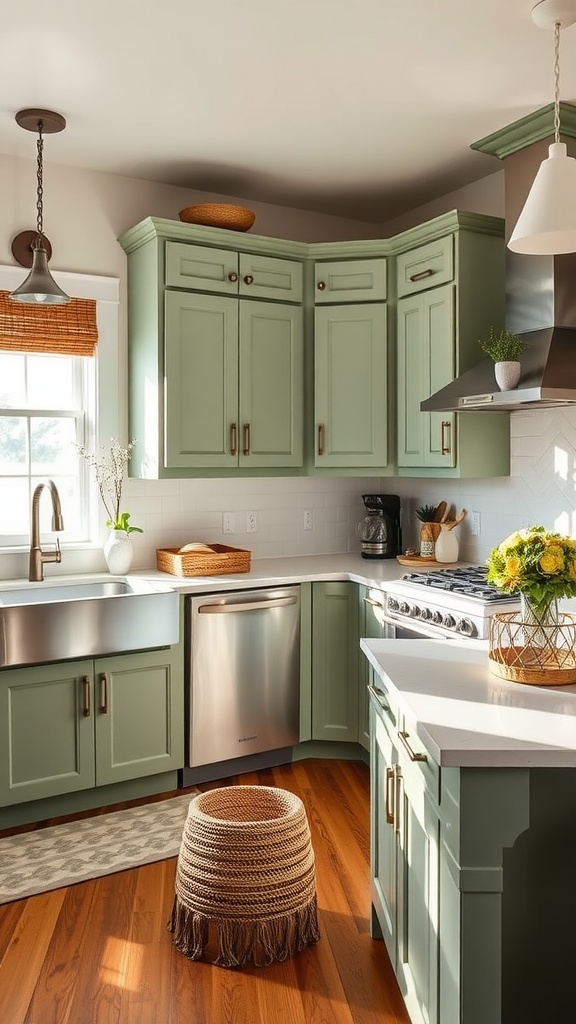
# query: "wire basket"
(534, 653)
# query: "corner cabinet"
(216, 351)
(73, 726)
(450, 290)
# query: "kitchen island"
(473, 825)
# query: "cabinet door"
(267, 277)
(384, 834)
(139, 715)
(418, 947)
(46, 731)
(351, 386)
(201, 267)
(350, 281)
(201, 380)
(335, 661)
(271, 384)
(426, 363)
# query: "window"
(47, 405)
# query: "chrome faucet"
(37, 555)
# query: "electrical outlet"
(308, 519)
(251, 522)
(228, 522)
(475, 524)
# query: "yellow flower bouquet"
(536, 563)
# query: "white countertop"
(468, 717)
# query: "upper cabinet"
(450, 290)
(216, 351)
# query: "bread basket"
(219, 215)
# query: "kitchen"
(85, 204)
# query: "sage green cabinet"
(450, 290)
(405, 836)
(234, 382)
(350, 281)
(72, 726)
(335, 645)
(227, 272)
(350, 386)
(370, 610)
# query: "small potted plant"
(429, 530)
(505, 348)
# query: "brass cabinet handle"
(246, 439)
(248, 279)
(389, 795)
(446, 432)
(233, 439)
(412, 754)
(397, 797)
(421, 274)
(320, 439)
(103, 693)
(86, 688)
(233, 276)
(321, 286)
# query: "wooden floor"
(99, 952)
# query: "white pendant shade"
(547, 224)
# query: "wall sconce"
(39, 286)
(547, 223)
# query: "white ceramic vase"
(118, 552)
(446, 549)
(507, 374)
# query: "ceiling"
(360, 108)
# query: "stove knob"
(404, 608)
(426, 614)
(392, 604)
(449, 621)
(437, 617)
(466, 627)
(414, 612)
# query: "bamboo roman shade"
(69, 330)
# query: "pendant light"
(547, 223)
(39, 286)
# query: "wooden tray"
(422, 563)
(219, 562)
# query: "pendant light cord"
(39, 179)
(557, 26)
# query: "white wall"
(84, 214)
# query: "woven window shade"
(69, 330)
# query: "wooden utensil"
(441, 512)
(454, 522)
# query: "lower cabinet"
(335, 661)
(405, 831)
(75, 725)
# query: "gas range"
(446, 602)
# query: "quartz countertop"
(468, 717)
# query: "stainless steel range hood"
(540, 290)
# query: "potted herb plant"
(505, 348)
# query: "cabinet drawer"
(419, 769)
(350, 281)
(268, 277)
(200, 267)
(425, 267)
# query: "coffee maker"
(380, 530)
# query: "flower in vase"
(536, 563)
(109, 470)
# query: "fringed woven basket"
(245, 879)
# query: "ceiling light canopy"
(39, 286)
(547, 223)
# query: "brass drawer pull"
(397, 797)
(389, 795)
(233, 277)
(233, 439)
(103, 693)
(86, 688)
(246, 439)
(248, 279)
(403, 736)
(446, 432)
(320, 439)
(422, 274)
(321, 286)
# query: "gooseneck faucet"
(37, 555)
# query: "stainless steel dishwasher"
(243, 673)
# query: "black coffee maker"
(380, 530)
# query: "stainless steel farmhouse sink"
(76, 619)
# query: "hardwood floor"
(99, 952)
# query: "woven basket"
(221, 561)
(245, 888)
(219, 215)
(538, 654)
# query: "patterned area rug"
(50, 858)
